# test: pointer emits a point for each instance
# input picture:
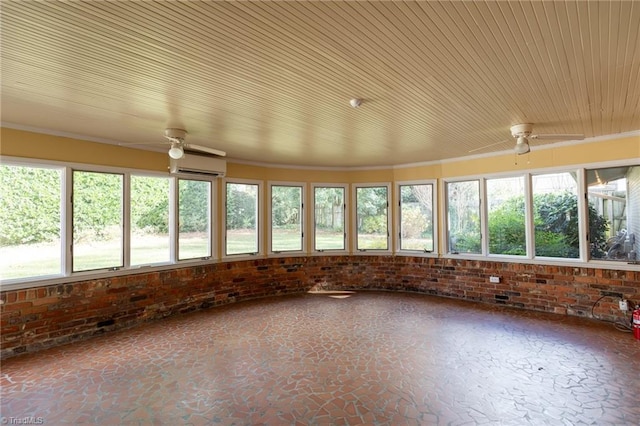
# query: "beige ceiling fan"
(176, 138)
(523, 132)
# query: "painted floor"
(372, 358)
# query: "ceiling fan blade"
(205, 149)
(487, 146)
(566, 137)
(141, 143)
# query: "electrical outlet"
(493, 279)
(624, 306)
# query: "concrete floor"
(372, 358)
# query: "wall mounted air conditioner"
(200, 164)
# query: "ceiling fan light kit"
(522, 146)
(176, 152)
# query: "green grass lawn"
(33, 260)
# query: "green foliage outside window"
(29, 205)
(241, 206)
(506, 228)
(193, 205)
(150, 204)
(555, 223)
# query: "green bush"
(29, 205)
(373, 225)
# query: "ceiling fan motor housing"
(175, 134)
(519, 130)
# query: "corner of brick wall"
(41, 317)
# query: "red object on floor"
(636, 323)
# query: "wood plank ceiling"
(271, 81)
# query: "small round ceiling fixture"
(355, 102)
(176, 152)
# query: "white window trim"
(345, 224)
(124, 230)
(260, 219)
(303, 230)
(175, 225)
(528, 217)
(66, 233)
(354, 218)
(446, 251)
(434, 217)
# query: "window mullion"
(67, 222)
(529, 217)
(126, 220)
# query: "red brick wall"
(32, 319)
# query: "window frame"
(174, 217)
(398, 217)
(66, 234)
(345, 221)
(528, 208)
(581, 206)
(440, 220)
(303, 233)
(259, 220)
(124, 211)
(354, 218)
(447, 252)
(605, 263)
(65, 220)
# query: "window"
(150, 239)
(555, 215)
(194, 219)
(97, 220)
(242, 213)
(416, 217)
(506, 216)
(463, 217)
(30, 221)
(372, 218)
(329, 231)
(614, 213)
(286, 218)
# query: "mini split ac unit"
(200, 164)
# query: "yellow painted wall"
(18, 143)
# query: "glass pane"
(150, 241)
(242, 218)
(416, 217)
(329, 218)
(463, 217)
(506, 216)
(286, 218)
(30, 222)
(97, 220)
(555, 215)
(614, 222)
(194, 219)
(371, 211)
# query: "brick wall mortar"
(36, 318)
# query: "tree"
(241, 206)
(329, 208)
(285, 202)
(194, 205)
(372, 210)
